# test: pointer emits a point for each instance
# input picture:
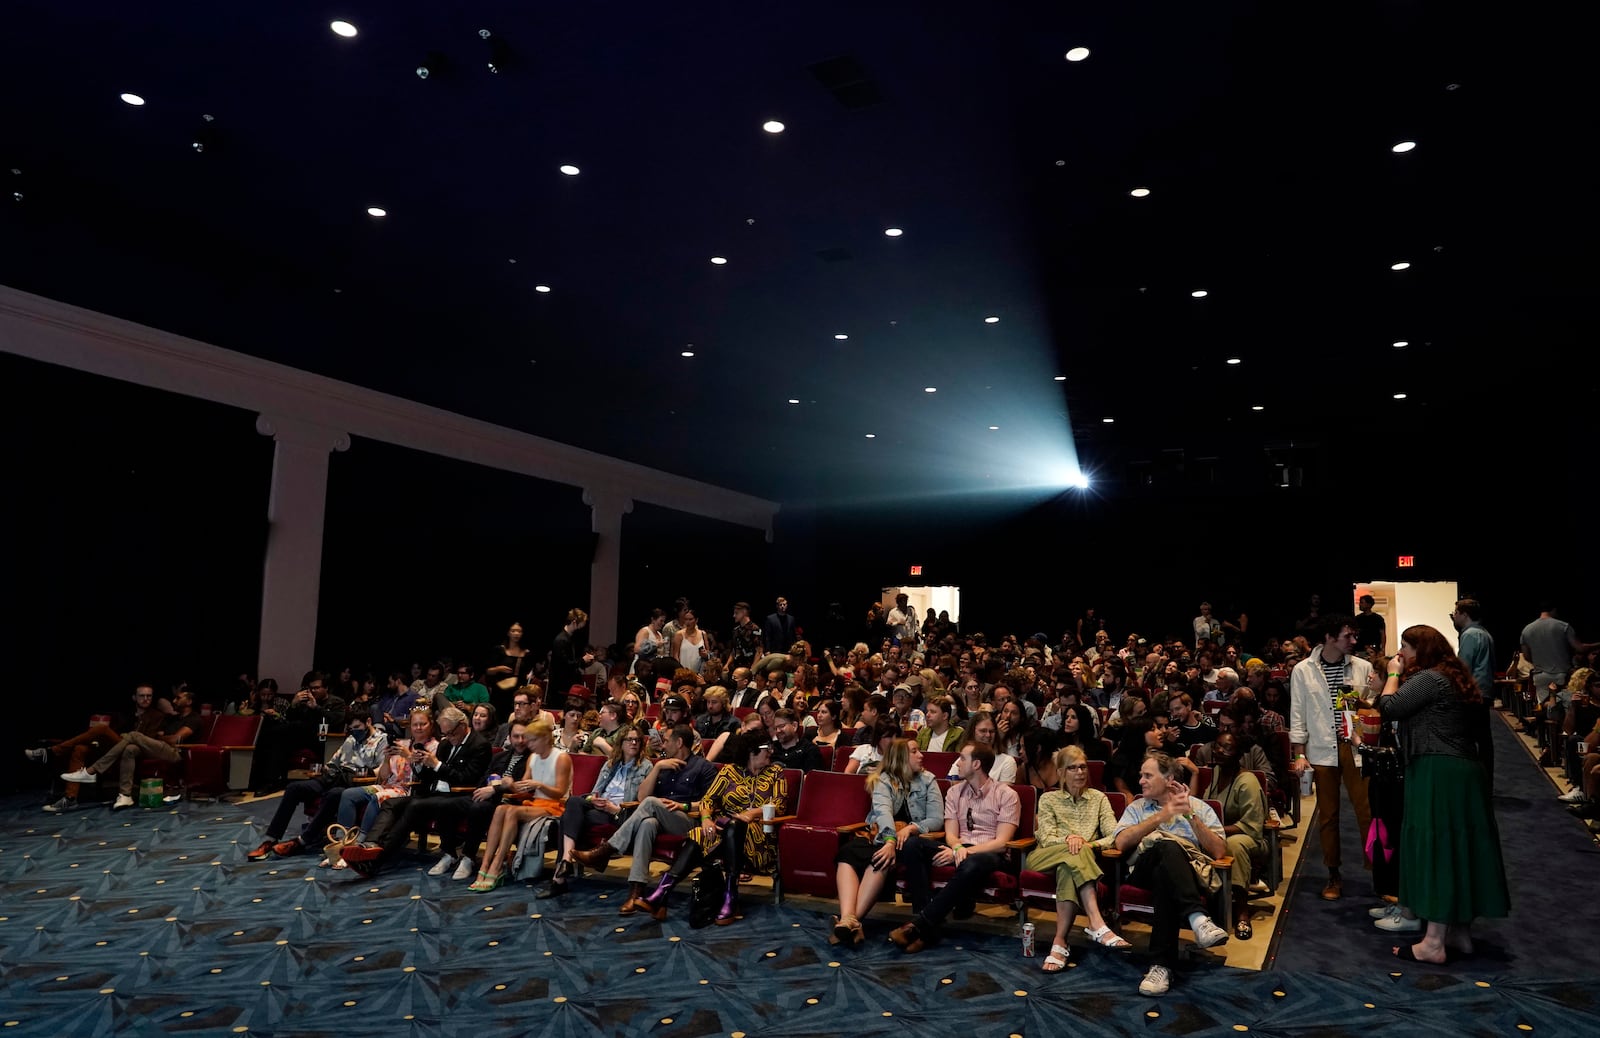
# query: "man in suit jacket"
(780, 630)
(459, 761)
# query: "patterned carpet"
(152, 921)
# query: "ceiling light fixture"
(772, 126)
(206, 136)
(570, 170)
(792, 400)
(1402, 265)
(994, 428)
(133, 99)
(1403, 147)
(1108, 421)
(1402, 344)
(1399, 396)
(991, 320)
(1061, 378)
(344, 29)
(541, 288)
(841, 336)
(373, 210)
(432, 63)
(687, 353)
(1233, 360)
(872, 436)
(1199, 293)
(499, 53)
(892, 232)
(1257, 407)
(1140, 192)
(930, 389)
(1077, 53)
(720, 261)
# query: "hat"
(675, 702)
(906, 689)
(578, 692)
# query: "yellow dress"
(735, 790)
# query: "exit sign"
(1406, 561)
(916, 571)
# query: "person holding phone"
(1158, 831)
(905, 804)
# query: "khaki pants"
(1327, 781)
(127, 752)
(78, 748)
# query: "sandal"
(1056, 961)
(1243, 930)
(340, 865)
(842, 930)
(1106, 937)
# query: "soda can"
(1027, 939)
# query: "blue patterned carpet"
(152, 921)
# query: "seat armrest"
(779, 819)
(853, 827)
(1110, 852)
(1027, 843)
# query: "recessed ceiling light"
(893, 232)
(792, 400)
(1077, 53)
(994, 428)
(1108, 421)
(1233, 360)
(772, 126)
(1404, 146)
(541, 288)
(344, 29)
(1257, 407)
(687, 353)
(1140, 192)
(1061, 378)
(1199, 293)
(570, 170)
(841, 336)
(930, 389)
(720, 261)
(1399, 396)
(872, 436)
(373, 210)
(133, 99)
(991, 320)
(1402, 265)
(1402, 344)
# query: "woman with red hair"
(1452, 870)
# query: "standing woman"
(650, 643)
(510, 667)
(689, 645)
(1449, 841)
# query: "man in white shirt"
(1206, 628)
(903, 621)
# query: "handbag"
(339, 837)
(1208, 875)
(706, 902)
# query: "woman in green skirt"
(1451, 871)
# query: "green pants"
(1072, 870)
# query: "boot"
(656, 900)
(635, 902)
(729, 900)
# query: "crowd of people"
(696, 735)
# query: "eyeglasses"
(1077, 767)
(630, 740)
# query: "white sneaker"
(81, 775)
(465, 870)
(1398, 923)
(442, 866)
(1208, 934)
(1156, 982)
(1384, 911)
(62, 806)
(123, 801)
(1572, 796)
(39, 754)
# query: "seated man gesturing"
(157, 735)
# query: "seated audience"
(546, 784)
(1244, 814)
(156, 734)
(905, 804)
(364, 748)
(617, 784)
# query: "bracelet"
(1393, 674)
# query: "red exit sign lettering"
(1406, 561)
(916, 571)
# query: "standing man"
(1321, 687)
(1372, 630)
(780, 630)
(1206, 627)
(1476, 649)
(744, 647)
(903, 621)
(1550, 645)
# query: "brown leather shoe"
(286, 848)
(633, 906)
(261, 852)
(1334, 890)
(596, 858)
(907, 938)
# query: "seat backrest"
(233, 730)
(585, 769)
(741, 712)
(1119, 803)
(653, 710)
(1202, 779)
(938, 762)
(833, 799)
(705, 746)
(841, 756)
(1097, 774)
(1028, 801)
(793, 781)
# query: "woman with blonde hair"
(1074, 821)
(545, 787)
(905, 803)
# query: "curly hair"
(1434, 653)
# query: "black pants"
(1164, 870)
(305, 791)
(275, 744)
(447, 812)
(730, 851)
(579, 815)
(965, 883)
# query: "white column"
(606, 509)
(292, 574)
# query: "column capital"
(607, 502)
(302, 433)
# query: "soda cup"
(1027, 940)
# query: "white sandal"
(1106, 937)
(340, 864)
(1056, 961)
